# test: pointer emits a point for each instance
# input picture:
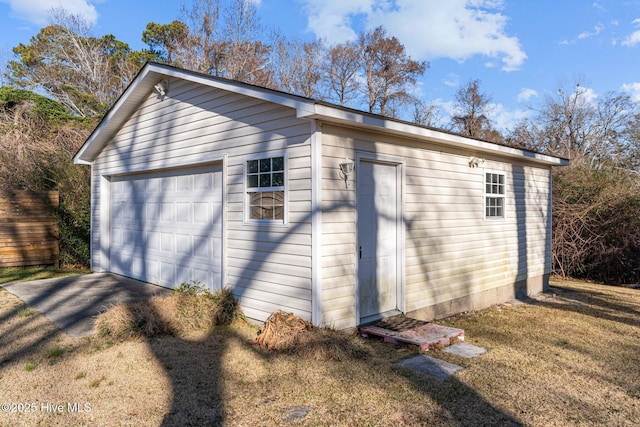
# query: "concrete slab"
(465, 350)
(73, 303)
(430, 366)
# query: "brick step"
(426, 335)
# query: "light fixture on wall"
(161, 88)
(474, 161)
(346, 169)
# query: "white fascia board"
(97, 139)
(264, 94)
(379, 123)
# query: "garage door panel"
(166, 227)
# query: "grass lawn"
(571, 357)
(21, 274)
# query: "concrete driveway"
(73, 303)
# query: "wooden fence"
(29, 232)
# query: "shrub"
(38, 140)
(596, 224)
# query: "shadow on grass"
(207, 387)
(592, 303)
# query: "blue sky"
(521, 50)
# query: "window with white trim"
(265, 186)
(494, 195)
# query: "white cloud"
(332, 19)
(429, 29)
(452, 80)
(526, 94)
(506, 120)
(38, 11)
(588, 94)
(634, 38)
(596, 30)
(633, 89)
(448, 107)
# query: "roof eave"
(353, 118)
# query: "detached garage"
(339, 216)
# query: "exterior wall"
(267, 266)
(451, 251)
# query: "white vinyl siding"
(268, 266)
(450, 250)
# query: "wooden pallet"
(426, 335)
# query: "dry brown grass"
(179, 314)
(286, 333)
(572, 359)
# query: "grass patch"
(54, 353)
(29, 366)
(22, 274)
(96, 383)
(26, 312)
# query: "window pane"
(278, 197)
(252, 166)
(255, 198)
(494, 207)
(277, 164)
(265, 180)
(277, 179)
(265, 165)
(252, 181)
(255, 212)
(267, 199)
(278, 212)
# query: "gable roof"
(153, 73)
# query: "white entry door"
(166, 227)
(378, 220)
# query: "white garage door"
(166, 227)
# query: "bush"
(596, 224)
(38, 140)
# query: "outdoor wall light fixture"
(346, 169)
(474, 161)
(161, 88)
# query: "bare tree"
(297, 66)
(244, 56)
(340, 72)
(72, 66)
(578, 125)
(200, 51)
(427, 114)
(472, 109)
(388, 70)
